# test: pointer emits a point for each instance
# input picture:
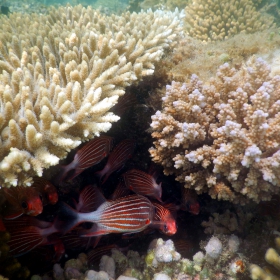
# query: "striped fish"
(164, 220)
(120, 191)
(88, 200)
(73, 241)
(90, 154)
(142, 183)
(125, 103)
(27, 233)
(120, 154)
(185, 247)
(46, 189)
(130, 214)
(22, 200)
(95, 255)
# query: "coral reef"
(62, 73)
(167, 4)
(162, 261)
(222, 137)
(227, 222)
(213, 20)
(222, 251)
(273, 259)
(191, 56)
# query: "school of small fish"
(134, 206)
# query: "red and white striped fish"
(88, 200)
(27, 233)
(164, 220)
(46, 189)
(22, 200)
(95, 255)
(116, 160)
(90, 154)
(142, 183)
(120, 191)
(130, 214)
(73, 241)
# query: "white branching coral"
(223, 137)
(60, 74)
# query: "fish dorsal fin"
(98, 197)
(87, 200)
(120, 191)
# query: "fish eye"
(165, 228)
(24, 204)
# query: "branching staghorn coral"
(212, 20)
(61, 73)
(222, 137)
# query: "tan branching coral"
(222, 137)
(60, 74)
(211, 20)
(273, 259)
(227, 222)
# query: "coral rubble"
(60, 74)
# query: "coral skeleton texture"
(222, 137)
(60, 74)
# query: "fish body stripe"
(93, 152)
(120, 191)
(142, 183)
(22, 242)
(120, 154)
(127, 214)
(161, 212)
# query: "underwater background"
(140, 139)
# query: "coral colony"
(141, 145)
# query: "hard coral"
(222, 137)
(60, 74)
(271, 272)
(213, 20)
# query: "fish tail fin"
(160, 191)
(66, 172)
(74, 174)
(103, 174)
(67, 218)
